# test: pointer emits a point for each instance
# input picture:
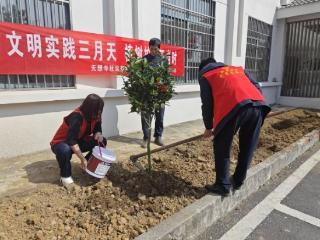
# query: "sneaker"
(67, 183)
(235, 186)
(158, 141)
(144, 143)
(218, 189)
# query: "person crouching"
(79, 132)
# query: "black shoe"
(235, 186)
(158, 141)
(218, 189)
(144, 143)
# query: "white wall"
(238, 15)
(113, 17)
(278, 51)
(118, 21)
(307, 9)
(300, 102)
(220, 28)
(271, 93)
(118, 120)
(147, 19)
(26, 128)
(29, 127)
(184, 107)
(88, 16)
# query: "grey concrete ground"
(306, 196)
(266, 216)
(282, 226)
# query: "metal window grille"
(189, 24)
(301, 76)
(258, 49)
(45, 13)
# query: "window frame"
(40, 17)
(258, 49)
(180, 26)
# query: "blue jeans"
(248, 121)
(158, 129)
(64, 153)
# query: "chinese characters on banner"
(26, 49)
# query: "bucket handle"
(100, 147)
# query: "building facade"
(299, 24)
(249, 33)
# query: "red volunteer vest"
(61, 134)
(230, 86)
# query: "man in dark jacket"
(232, 101)
(153, 58)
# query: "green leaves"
(148, 86)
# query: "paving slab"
(306, 196)
(279, 226)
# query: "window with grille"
(258, 49)
(189, 24)
(45, 13)
(301, 76)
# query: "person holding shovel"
(79, 132)
(232, 101)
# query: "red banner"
(26, 49)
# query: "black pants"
(64, 153)
(158, 129)
(248, 121)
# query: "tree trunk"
(148, 119)
(149, 150)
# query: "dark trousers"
(158, 129)
(64, 153)
(248, 121)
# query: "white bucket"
(98, 165)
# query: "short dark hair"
(92, 107)
(205, 62)
(155, 42)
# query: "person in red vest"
(232, 101)
(79, 132)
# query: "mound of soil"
(128, 202)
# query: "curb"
(194, 219)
